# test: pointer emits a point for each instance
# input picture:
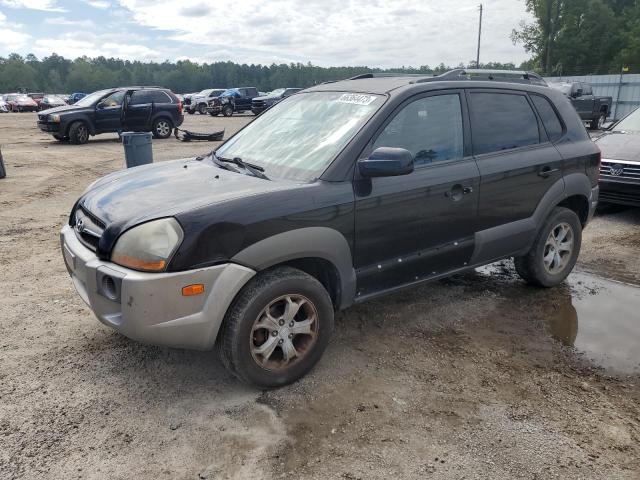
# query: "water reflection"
(600, 318)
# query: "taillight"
(180, 106)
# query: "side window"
(114, 100)
(430, 128)
(139, 97)
(158, 96)
(501, 121)
(549, 117)
(586, 89)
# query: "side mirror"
(386, 162)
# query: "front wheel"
(554, 251)
(277, 328)
(79, 133)
(202, 109)
(227, 111)
(161, 128)
(598, 123)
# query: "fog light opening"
(109, 287)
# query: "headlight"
(148, 247)
(54, 118)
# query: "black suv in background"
(260, 104)
(340, 194)
(236, 100)
(138, 109)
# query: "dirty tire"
(227, 111)
(531, 266)
(78, 133)
(597, 123)
(162, 128)
(236, 339)
(202, 109)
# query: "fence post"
(615, 114)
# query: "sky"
(375, 33)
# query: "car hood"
(25, 101)
(267, 97)
(620, 146)
(139, 194)
(63, 109)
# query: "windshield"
(299, 137)
(630, 123)
(92, 98)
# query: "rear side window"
(141, 97)
(502, 121)
(549, 117)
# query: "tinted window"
(430, 128)
(550, 119)
(141, 97)
(586, 89)
(501, 121)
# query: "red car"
(19, 102)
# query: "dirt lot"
(472, 377)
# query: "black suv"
(236, 100)
(138, 109)
(336, 195)
(260, 104)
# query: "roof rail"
(513, 76)
(389, 75)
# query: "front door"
(137, 115)
(413, 227)
(109, 112)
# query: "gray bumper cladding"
(150, 307)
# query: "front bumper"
(149, 307)
(49, 127)
(214, 109)
(620, 192)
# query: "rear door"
(518, 164)
(416, 226)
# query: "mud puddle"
(599, 317)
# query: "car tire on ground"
(161, 128)
(190, 112)
(78, 133)
(277, 328)
(227, 110)
(598, 123)
(213, 114)
(554, 251)
(202, 109)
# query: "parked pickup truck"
(261, 103)
(233, 100)
(591, 109)
(337, 195)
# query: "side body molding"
(317, 242)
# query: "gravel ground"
(460, 378)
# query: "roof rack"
(513, 76)
(389, 75)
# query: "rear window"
(549, 117)
(502, 121)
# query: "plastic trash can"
(137, 148)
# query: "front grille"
(620, 171)
(620, 197)
(88, 228)
(258, 103)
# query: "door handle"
(457, 191)
(546, 171)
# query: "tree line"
(56, 74)
(577, 37)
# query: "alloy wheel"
(284, 332)
(162, 128)
(558, 248)
(83, 134)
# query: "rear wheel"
(161, 128)
(78, 133)
(227, 110)
(277, 328)
(554, 252)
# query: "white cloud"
(13, 41)
(46, 5)
(103, 5)
(3, 17)
(66, 22)
(335, 32)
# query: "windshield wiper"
(255, 170)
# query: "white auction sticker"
(357, 98)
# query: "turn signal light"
(191, 290)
